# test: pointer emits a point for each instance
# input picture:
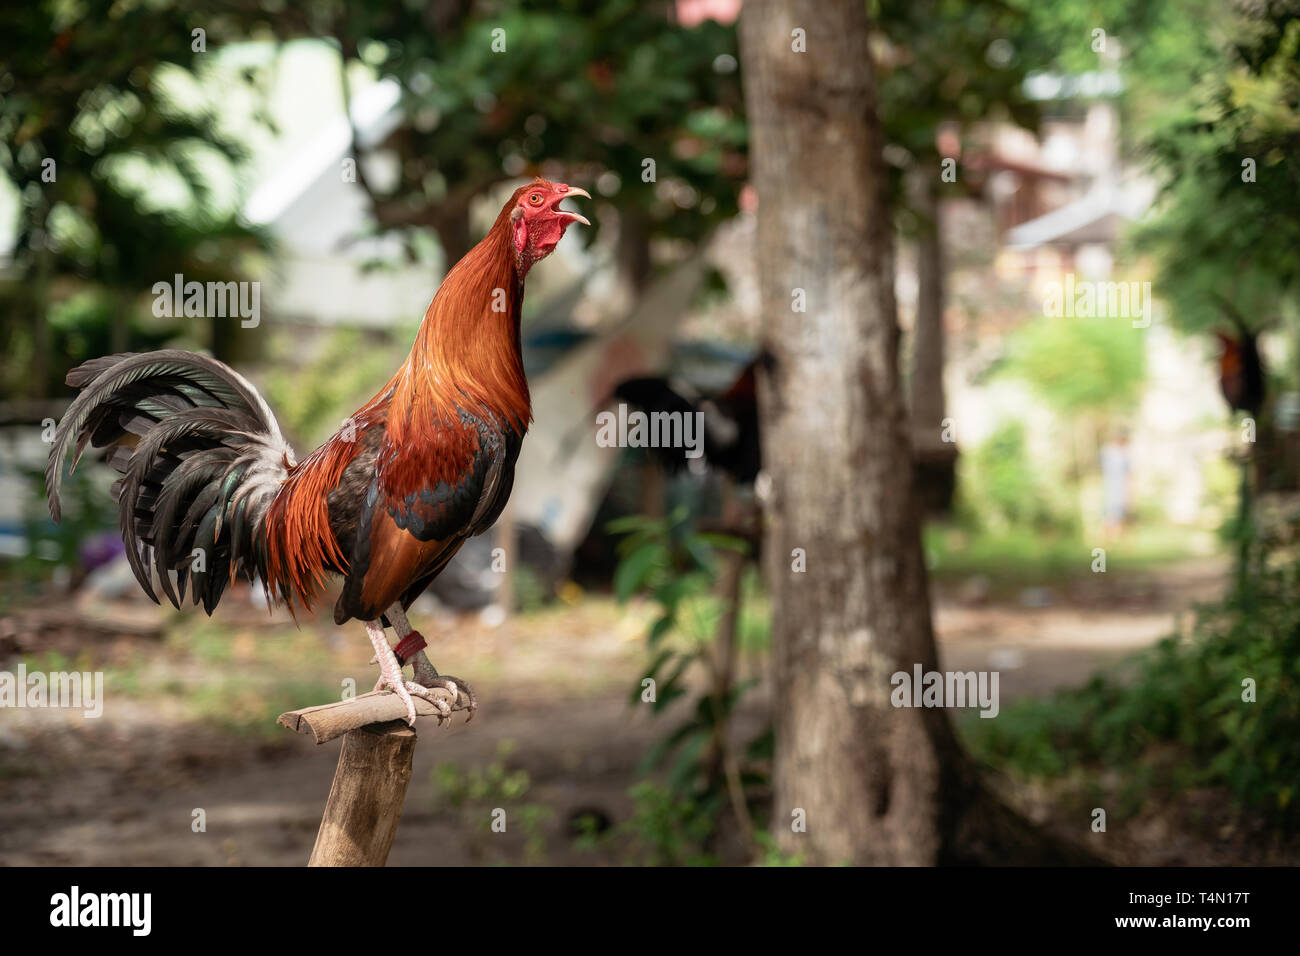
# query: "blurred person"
(1116, 467)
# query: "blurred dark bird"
(210, 491)
(1241, 372)
(731, 433)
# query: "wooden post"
(373, 772)
(366, 798)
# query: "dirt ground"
(125, 789)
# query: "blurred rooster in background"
(1241, 372)
(210, 491)
(731, 433)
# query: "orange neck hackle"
(467, 354)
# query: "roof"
(1094, 218)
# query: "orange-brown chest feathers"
(465, 371)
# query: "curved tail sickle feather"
(201, 458)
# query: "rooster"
(731, 433)
(1241, 372)
(210, 491)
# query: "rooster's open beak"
(573, 216)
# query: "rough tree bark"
(936, 460)
(876, 784)
(928, 398)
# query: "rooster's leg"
(390, 675)
(425, 673)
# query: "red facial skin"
(537, 222)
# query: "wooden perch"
(327, 721)
(373, 772)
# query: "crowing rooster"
(210, 490)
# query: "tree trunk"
(936, 460)
(634, 262)
(366, 797)
(872, 783)
(928, 399)
(452, 226)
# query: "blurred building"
(1043, 209)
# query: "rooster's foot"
(426, 691)
(390, 674)
(464, 696)
(427, 675)
(402, 688)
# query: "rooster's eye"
(535, 198)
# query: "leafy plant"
(666, 830)
(87, 511)
(1081, 366)
(1001, 488)
(476, 793)
(677, 567)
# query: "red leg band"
(408, 645)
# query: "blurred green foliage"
(311, 393)
(125, 176)
(1081, 366)
(114, 166)
(1022, 557)
(1000, 487)
(87, 510)
(667, 830)
(586, 89)
(676, 566)
(1228, 221)
(947, 62)
(479, 795)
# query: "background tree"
(943, 62)
(1228, 223)
(491, 90)
(116, 171)
(876, 784)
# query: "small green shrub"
(476, 794)
(1000, 488)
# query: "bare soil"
(554, 686)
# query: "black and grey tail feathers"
(201, 458)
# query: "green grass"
(1021, 557)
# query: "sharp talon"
(463, 692)
(427, 677)
(410, 704)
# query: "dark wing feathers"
(400, 543)
(201, 458)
